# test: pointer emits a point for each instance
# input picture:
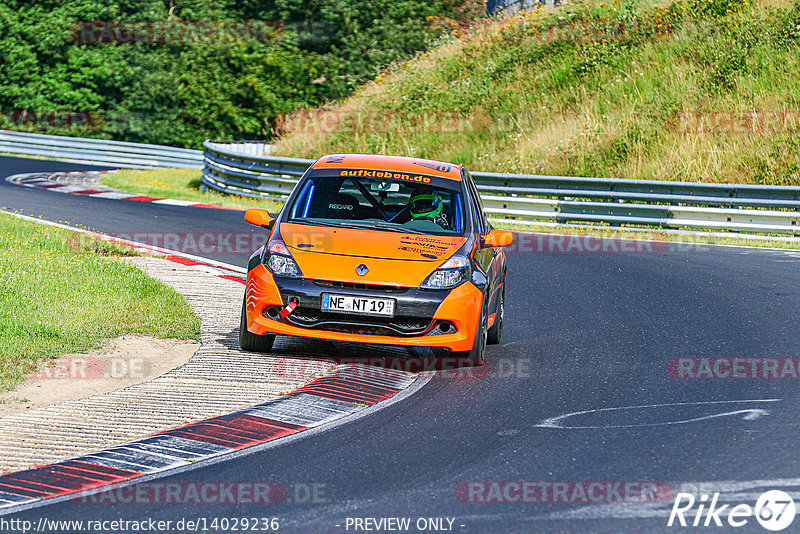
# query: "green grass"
(180, 184)
(594, 88)
(62, 292)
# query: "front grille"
(366, 287)
(364, 330)
(345, 322)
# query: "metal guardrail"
(99, 151)
(246, 169)
(563, 199)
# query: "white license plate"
(360, 305)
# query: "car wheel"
(493, 337)
(253, 342)
(475, 357)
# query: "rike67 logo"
(774, 510)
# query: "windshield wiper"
(312, 222)
(382, 226)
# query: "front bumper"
(421, 316)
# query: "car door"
(489, 258)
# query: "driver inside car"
(427, 205)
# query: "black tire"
(496, 331)
(253, 342)
(475, 357)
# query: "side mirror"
(497, 238)
(259, 217)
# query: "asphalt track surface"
(583, 331)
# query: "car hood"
(392, 258)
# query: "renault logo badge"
(362, 270)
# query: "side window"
(349, 188)
(480, 216)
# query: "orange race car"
(379, 249)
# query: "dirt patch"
(127, 360)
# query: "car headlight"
(449, 275)
(281, 263)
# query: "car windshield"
(380, 200)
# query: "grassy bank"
(61, 293)
(695, 90)
(180, 184)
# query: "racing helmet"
(426, 204)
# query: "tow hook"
(289, 308)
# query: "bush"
(181, 94)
